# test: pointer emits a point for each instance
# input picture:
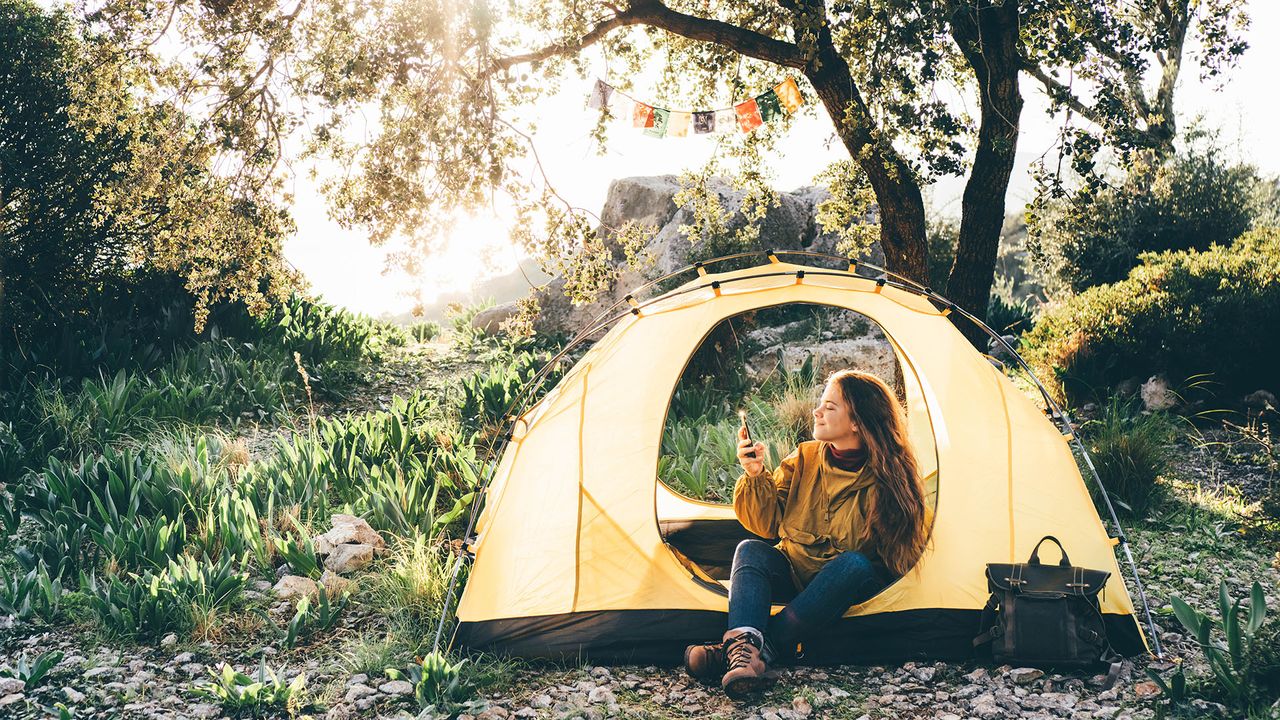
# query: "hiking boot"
(706, 662)
(747, 668)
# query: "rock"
(1156, 395)
(836, 693)
(527, 712)
(9, 686)
(540, 701)
(1025, 676)
(359, 691)
(397, 687)
(348, 558)
(924, 674)
(649, 202)
(295, 586)
(169, 640)
(205, 710)
(100, 671)
(490, 320)
(73, 696)
(182, 658)
(493, 713)
(1260, 400)
(871, 353)
(602, 695)
(347, 529)
(1146, 689)
(801, 707)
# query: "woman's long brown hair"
(897, 509)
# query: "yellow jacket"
(815, 509)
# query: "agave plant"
(32, 673)
(237, 692)
(435, 680)
(33, 595)
(1230, 657)
(308, 619)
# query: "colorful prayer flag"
(659, 127)
(748, 115)
(600, 94)
(704, 122)
(642, 116)
(789, 95)
(678, 124)
(769, 106)
(726, 121)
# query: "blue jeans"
(762, 574)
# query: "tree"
(98, 185)
(450, 78)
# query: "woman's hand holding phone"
(750, 453)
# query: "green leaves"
(1231, 662)
(310, 618)
(435, 680)
(237, 692)
(32, 673)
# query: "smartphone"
(743, 414)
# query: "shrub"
(435, 680)
(1130, 451)
(32, 673)
(33, 595)
(309, 620)
(152, 604)
(1240, 680)
(1179, 313)
(257, 695)
(412, 587)
(1192, 202)
(425, 331)
(1009, 317)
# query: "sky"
(346, 270)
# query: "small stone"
(540, 701)
(496, 712)
(924, 674)
(1106, 712)
(169, 640)
(334, 584)
(347, 529)
(295, 586)
(837, 694)
(100, 671)
(1025, 675)
(8, 686)
(1146, 689)
(397, 687)
(12, 699)
(527, 712)
(204, 710)
(358, 692)
(602, 695)
(977, 675)
(183, 657)
(801, 706)
(73, 696)
(357, 679)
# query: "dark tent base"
(660, 636)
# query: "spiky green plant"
(261, 694)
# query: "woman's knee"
(755, 553)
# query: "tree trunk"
(898, 196)
(987, 34)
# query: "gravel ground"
(100, 678)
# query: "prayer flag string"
(783, 98)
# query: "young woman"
(849, 512)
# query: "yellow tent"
(580, 550)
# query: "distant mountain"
(500, 288)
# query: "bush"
(152, 604)
(1178, 313)
(1130, 451)
(261, 694)
(1192, 202)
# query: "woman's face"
(831, 421)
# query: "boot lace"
(740, 652)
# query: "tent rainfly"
(580, 551)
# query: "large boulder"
(650, 201)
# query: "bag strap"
(988, 628)
(1035, 553)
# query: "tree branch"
(1060, 92)
(653, 13)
